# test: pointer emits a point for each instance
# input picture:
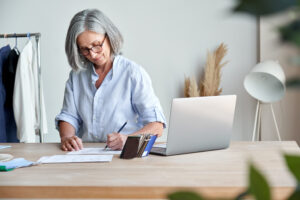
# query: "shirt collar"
(94, 76)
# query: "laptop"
(198, 124)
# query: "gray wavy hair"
(90, 20)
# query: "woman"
(104, 89)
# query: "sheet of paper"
(94, 151)
(75, 158)
(4, 146)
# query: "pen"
(118, 131)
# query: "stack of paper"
(84, 155)
(93, 151)
(75, 158)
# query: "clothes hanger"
(28, 36)
(16, 44)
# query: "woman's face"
(95, 47)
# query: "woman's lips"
(97, 59)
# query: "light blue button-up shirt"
(126, 94)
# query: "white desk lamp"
(266, 83)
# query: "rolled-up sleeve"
(69, 111)
(144, 100)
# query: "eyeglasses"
(96, 48)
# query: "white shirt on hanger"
(25, 98)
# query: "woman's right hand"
(72, 143)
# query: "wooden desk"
(221, 173)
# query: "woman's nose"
(93, 54)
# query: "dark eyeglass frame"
(96, 48)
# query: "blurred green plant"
(288, 33)
(264, 7)
(258, 187)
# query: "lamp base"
(256, 136)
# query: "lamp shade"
(266, 82)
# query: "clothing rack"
(37, 39)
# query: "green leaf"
(258, 185)
(296, 193)
(293, 163)
(264, 7)
(183, 195)
(293, 83)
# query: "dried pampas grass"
(212, 75)
(187, 83)
(191, 88)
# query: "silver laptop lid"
(200, 124)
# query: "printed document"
(75, 158)
(93, 151)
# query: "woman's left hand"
(116, 141)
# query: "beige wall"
(287, 111)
